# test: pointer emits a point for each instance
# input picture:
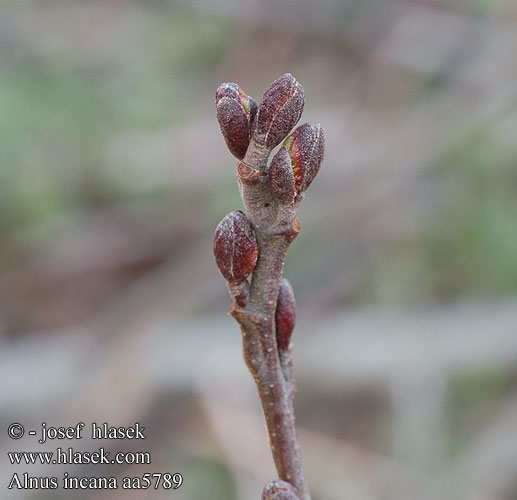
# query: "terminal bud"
(236, 114)
(285, 316)
(280, 109)
(235, 247)
(297, 162)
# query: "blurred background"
(113, 176)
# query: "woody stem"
(275, 228)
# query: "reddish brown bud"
(306, 146)
(235, 247)
(297, 162)
(236, 114)
(285, 315)
(281, 177)
(280, 490)
(280, 109)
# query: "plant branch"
(256, 244)
(275, 228)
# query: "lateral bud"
(236, 113)
(297, 162)
(280, 490)
(285, 315)
(280, 109)
(235, 247)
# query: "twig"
(257, 244)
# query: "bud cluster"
(291, 172)
(295, 165)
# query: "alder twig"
(256, 245)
